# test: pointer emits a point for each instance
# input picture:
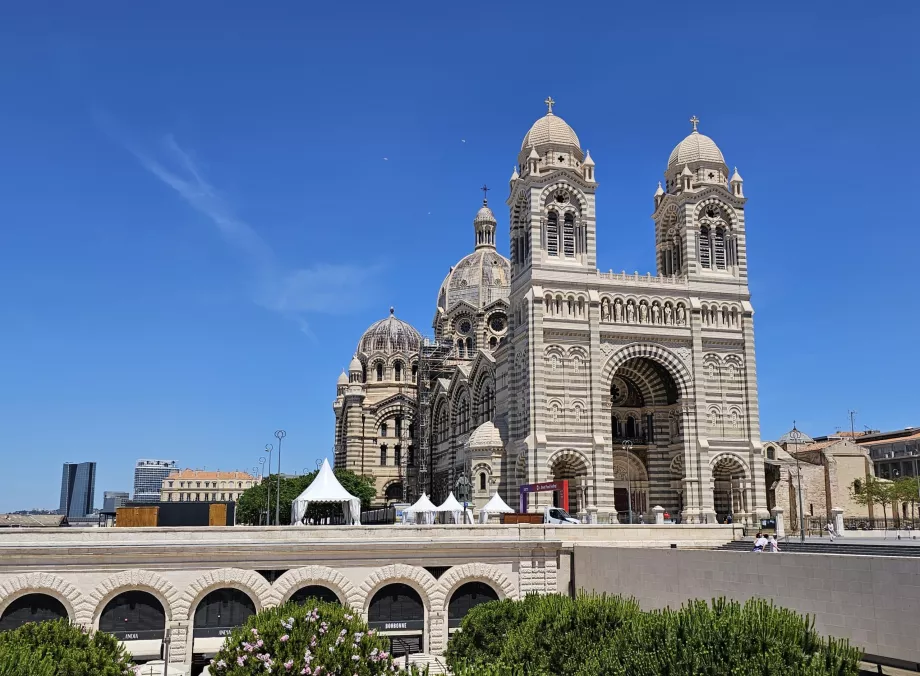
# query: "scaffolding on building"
(432, 360)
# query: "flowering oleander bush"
(315, 639)
(59, 648)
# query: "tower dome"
(390, 335)
(696, 147)
(550, 132)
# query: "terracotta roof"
(202, 474)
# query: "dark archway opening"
(467, 597)
(222, 611)
(32, 608)
(314, 592)
(134, 616)
(397, 611)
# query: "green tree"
(250, 507)
(59, 648)
(905, 491)
(873, 491)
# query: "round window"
(464, 326)
(498, 323)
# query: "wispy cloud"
(323, 287)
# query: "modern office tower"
(78, 486)
(112, 500)
(148, 478)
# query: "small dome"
(390, 335)
(480, 278)
(696, 147)
(343, 378)
(486, 436)
(550, 129)
(795, 438)
(484, 216)
(355, 365)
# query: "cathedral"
(640, 390)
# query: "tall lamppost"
(795, 437)
(279, 435)
(266, 462)
(627, 448)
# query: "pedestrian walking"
(830, 530)
(759, 543)
(772, 544)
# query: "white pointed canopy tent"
(326, 488)
(494, 506)
(422, 511)
(452, 507)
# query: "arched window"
(414, 370)
(568, 235)
(399, 428)
(220, 611)
(469, 347)
(719, 246)
(314, 592)
(383, 455)
(379, 372)
(705, 249)
(383, 429)
(630, 428)
(552, 234)
(492, 343)
(465, 599)
(133, 616)
(397, 455)
(397, 371)
(615, 426)
(460, 349)
(31, 608)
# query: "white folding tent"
(326, 488)
(494, 506)
(423, 511)
(452, 507)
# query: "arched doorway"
(728, 489)
(222, 611)
(314, 592)
(397, 611)
(134, 616)
(630, 486)
(32, 608)
(467, 597)
(571, 467)
(394, 492)
(646, 416)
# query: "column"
(780, 522)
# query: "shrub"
(600, 636)
(59, 648)
(314, 639)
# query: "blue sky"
(203, 205)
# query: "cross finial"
(549, 104)
(485, 193)
(694, 121)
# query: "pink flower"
(285, 638)
(241, 660)
(288, 665)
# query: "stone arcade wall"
(872, 601)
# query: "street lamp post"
(279, 435)
(627, 448)
(795, 436)
(266, 461)
(167, 639)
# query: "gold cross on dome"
(694, 121)
(549, 104)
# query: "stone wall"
(872, 601)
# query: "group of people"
(765, 543)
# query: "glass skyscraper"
(78, 487)
(148, 478)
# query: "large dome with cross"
(696, 147)
(390, 335)
(550, 129)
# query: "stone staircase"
(435, 663)
(851, 548)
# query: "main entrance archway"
(728, 488)
(31, 608)
(397, 611)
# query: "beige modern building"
(632, 386)
(195, 485)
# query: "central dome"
(550, 129)
(479, 279)
(390, 335)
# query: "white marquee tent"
(423, 511)
(326, 488)
(494, 506)
(452, 507)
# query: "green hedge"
(59, 648)
(601, 636)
